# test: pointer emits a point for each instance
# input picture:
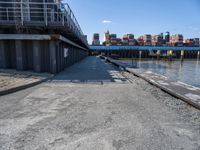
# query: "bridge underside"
(146, 51)
(40, 53)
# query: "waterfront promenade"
(94, 106)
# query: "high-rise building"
(157, 40)
(96, 40)
(167, 37)
(128, 39)
(192, 42)
(113, 39)
(147, 39)
(140, 41)
(176, 40)
(107, 38)
(196, 42)
(189, 42)
(119, 41)
(131, 40)
(125, 39)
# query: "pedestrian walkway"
(90, 69)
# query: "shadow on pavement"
(90, 69)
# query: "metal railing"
(21, 12)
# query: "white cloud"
(106, 21)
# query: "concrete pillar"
(19, 55)
(37, 56)
(182, 55)
(170, 54)
(198, 55)
(53, 62)
(140, 55)
(158, 54)
(2, 55)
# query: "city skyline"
(138, 17)
(162, 39)
(101, 35)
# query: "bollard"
(198, 55)
(182, 55)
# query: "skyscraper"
(167, 37)
(107, 37)
(96, 40)
(176, 40)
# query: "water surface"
(187, 71)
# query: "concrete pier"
(39, 53)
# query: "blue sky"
(137, 16)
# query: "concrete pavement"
(12, 80)
(132, 115)
(90, 70)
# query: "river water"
(187, 71)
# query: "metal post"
(198, 55)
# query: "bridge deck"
(142, 48)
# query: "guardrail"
(23, 12)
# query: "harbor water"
(187, 71)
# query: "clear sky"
(137, 16)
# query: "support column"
(182, 55)
(158, 54)
(2, 55)
(198, 55)
(53, 62)
(170, 54)
(19, 55)
(36, 56)
(140, 55)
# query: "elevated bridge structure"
(39, 35)
(142, 48)
(147, 51)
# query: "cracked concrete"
(110, 116)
